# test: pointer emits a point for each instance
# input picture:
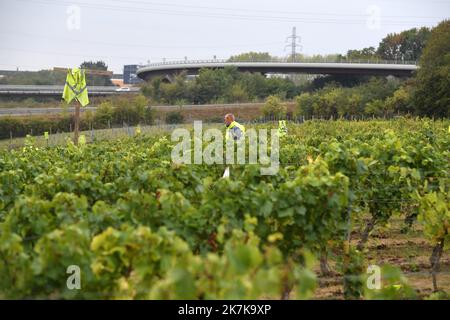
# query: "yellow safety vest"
(75, 87)
(282, 129)
(230, 133)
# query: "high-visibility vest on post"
(75, 87)
(282, 129)
(235, 131)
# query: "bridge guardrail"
(26, 87)
(360, 61)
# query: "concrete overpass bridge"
(168, 69)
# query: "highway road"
(44, 90)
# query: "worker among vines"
(235, 130)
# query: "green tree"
(94, 80)
(431, 96)
(131, 111)
(305, 104)
(153, 89)
(140, 104)
(369, 53)
(374, 108)
(104, 113)
(406, 45)
(377, 88)
(251, 56)
(350, 104)
(281, 86)
(237, 93)
(213, 84)
(400, 101)
(175, 90)
(273, 107)
(255, 84)
(329, 102)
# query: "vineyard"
(348, 195)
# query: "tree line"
(50, 77)
(226, 85)
(425, 94)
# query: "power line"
(267, 11)
(10, 33)
(226, 16)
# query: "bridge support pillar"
(169, 78)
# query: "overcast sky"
(42, 34)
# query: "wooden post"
(76, 133)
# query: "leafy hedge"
(109, 113)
